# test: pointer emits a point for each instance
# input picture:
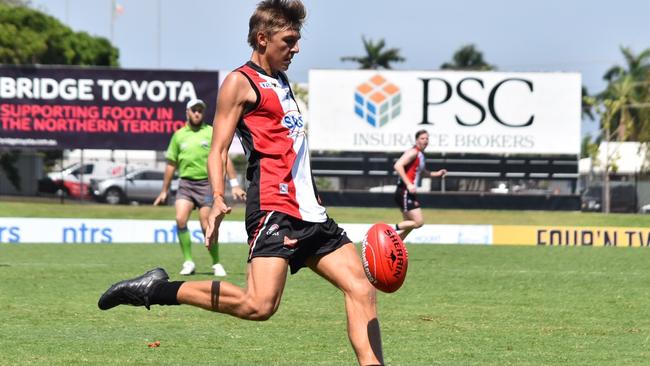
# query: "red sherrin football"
(384, 257)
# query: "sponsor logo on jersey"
(268, 85)
(293, 120)
(205, 143)
(284, 188)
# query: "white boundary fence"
(97, 231)
(106, 231)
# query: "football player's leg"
(413, 219)
(258, 301)
(183, 211)
(343, 268)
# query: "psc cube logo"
(377, 101)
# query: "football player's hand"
(238, 193)
(217, 212)
(162, 197)
(411, 188)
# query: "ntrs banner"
(464, 112)
(97, 231)
(98, 108)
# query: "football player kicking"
(287, 227)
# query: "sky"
(514, 35)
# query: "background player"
(410, 168)
(188, 152)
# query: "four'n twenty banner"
(98, 108)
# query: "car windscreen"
(86, 170)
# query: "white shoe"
(188, 268)
(219, 270)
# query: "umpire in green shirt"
(188, 152)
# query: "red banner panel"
(98, 108)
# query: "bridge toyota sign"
(464, 112)
(97, 108)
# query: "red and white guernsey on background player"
(287, 226)
(410, 168)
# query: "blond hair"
(272, 16)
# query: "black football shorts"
(275, 234)
(405, 201)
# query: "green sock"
(214, 253)
(186, 243)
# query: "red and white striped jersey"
(414, 169)
(274, 138)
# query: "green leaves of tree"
(629, 90)
(376, 56)
(28, 36)
(468, 57)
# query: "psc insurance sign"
(464, 112)
(98, 108)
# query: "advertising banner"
(97, 231)
(106, 231)
(20, 230)
(98, 108)
(571, 236)
(464, 112)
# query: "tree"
(632, 84)
(637, 65)
(301, 93)
(623, 108)
(28, 36)
(588, 148)
(468, 57)
(586, 108)
(16, 2)
(587, 111)
(376, 57)
(612, 109)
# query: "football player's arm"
(433, 174)
(167, 179)
(172, 157)
(438, 173)
(236, 191)
(234, 94)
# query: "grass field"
(340, 214)
(460, 305)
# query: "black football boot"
(136, 291)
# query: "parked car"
(141, 186)
(623, 198)
(67, 182)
